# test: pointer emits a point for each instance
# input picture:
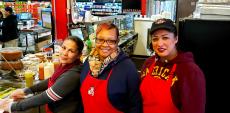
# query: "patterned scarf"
(96, 65)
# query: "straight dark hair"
(78, 41)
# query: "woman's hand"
(17, 95)
(5, 104)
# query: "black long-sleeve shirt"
(9, 28)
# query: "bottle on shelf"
(29, 78)
(41, 71)
(56, 63)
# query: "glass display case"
(32, 40)
(167, 8)
(125, 24)
(106, 9)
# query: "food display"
(11, 53)
(9, 75)
(17, 65)
(123, 32)
(30, 61)
(10, 58)
(5, 92)
(7, 87)
(41, 56)
(18, 68)
(14, 55)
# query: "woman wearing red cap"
(171, 80)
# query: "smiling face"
(106, 39)
(164, 44)
(106, 42)
(69, 52)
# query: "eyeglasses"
(109, 42)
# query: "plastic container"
(48, 69)
(41, 71)
(56, 63)
(29, 78)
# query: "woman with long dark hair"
(60, 92)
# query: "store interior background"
(207, 38)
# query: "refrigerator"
(209, 42)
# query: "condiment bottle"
(41, 71)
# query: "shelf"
(35, 38)
(127, 38)
(103, 19)
(128, 43)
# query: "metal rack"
(31, 40)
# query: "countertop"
(127, 37)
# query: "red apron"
(156, 93)
(94, 95)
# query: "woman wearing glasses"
(109, 79)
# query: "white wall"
(141, 27)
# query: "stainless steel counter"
(20, 84)
(128, 43)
